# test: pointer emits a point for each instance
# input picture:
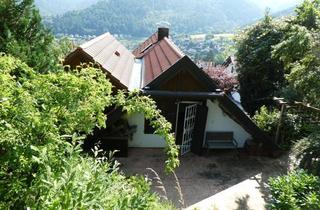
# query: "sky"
(276, 5)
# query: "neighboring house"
(184, 93)
(224, 79)
(230, 65)
(218, 73)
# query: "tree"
(308, 14)
(23, 35)
(260, 75)
(223, 79)
(299, 50)
(43, 117)
(305, 76)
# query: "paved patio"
(218, 180)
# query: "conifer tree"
(23, 35)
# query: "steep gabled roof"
(113, 57)
(180, 65)
(139, 51)
(158, 56)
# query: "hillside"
(283, 13)
(140, 17)
(55, 7)
(276, 5)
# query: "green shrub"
(267, 120)
(292, 126)
(43, 118)
(296, 190)
(82, 182)
(307, 153)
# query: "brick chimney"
(163, 32)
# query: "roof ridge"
(92, 41)
(137, 51)
(147, 51)
(175, 48)
(112, 41)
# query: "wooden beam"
(283, 108)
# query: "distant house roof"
(230, 60)
(158, 56)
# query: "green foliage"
(23, 35)
(297, 190)
(89, 183)
(308, 14)
(53, 7)
(305, 73)
(267, 120)
(140, 17)
(292, 46)
(36, 110)
(43, 118)
(295, 45)
(292, 125)
(260, 75)
(299, 51)
(134, 103)
(307, 153)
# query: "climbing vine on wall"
(134, 102)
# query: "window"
(148, 129)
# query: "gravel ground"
(201, 177)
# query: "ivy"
(134, 102)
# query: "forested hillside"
(55, 7)
(286, 12)
(140, 17)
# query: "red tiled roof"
(112, 56)
(141, 49)
(158, 56)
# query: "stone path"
(219, 179)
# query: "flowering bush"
(223, 79)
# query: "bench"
(220, 140)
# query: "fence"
(307, 114)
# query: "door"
(199, 129)
(188, 126)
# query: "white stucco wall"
(140, 139)
(217, 120)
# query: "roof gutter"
(181, 94)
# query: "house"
(230, 65)
(186, 95)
